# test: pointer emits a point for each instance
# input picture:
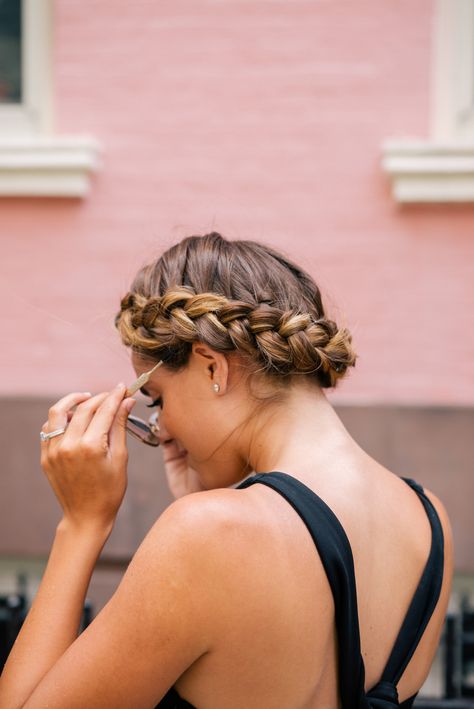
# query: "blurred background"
(341, 133)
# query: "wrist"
(98, 531)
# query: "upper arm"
(159, 621)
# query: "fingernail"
(86, 393)
(129, 404)
(120, 385)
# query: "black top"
(336, 555)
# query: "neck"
(304, 432)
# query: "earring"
(216, 387)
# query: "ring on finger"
(52, 434)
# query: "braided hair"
(233, 296)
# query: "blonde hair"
(238, 296)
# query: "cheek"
(191, 424)
(177, 422)
(199, 439)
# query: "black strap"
(425, 599)
(172, 700)
(336, 555)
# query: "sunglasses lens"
(141, 430)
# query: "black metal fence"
(458, 643)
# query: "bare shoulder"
(204, 512)
(200, 529)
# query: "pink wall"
(261, 120)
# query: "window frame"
(34, 161)
(441, 167)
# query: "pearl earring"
(216, 387)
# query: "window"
(10, 51)
(34, 161)
(441, 168)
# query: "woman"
(286, 588)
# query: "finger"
(58, 413)
(83, 415)
(118, 432)
(173, 451)
(105, 415)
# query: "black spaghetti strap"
(336, 555)
(425, 599)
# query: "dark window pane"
(10, 51)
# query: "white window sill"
(47, 166)
(429, 171)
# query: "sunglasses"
(145, 431)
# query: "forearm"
(53, 621)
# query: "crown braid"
(282, 341)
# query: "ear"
(214, 364)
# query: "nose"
(163, 433)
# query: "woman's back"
(277, 643)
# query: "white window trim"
(441, 169)
(34, 161)
(42, 166)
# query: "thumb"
(118, 432)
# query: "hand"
(182, 479)
(87, 465)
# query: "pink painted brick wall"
(262, 120)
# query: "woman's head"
(240, 313)
(234, 296)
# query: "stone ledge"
(47, 166)
(425, 171)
